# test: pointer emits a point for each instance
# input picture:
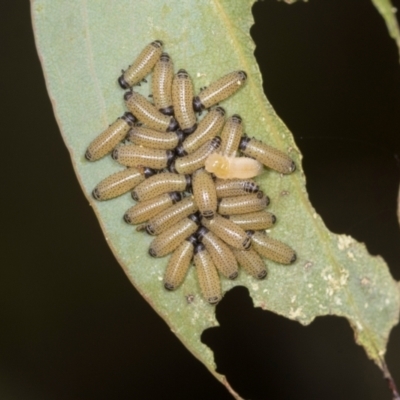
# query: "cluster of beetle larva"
(191, 189)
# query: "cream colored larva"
(219, 90)
(272, 249)
(147, 209)
(108, 139)
(142, 66)
(225, 167)
(120, 182)
(204, 193)
(179, 263)
(207, 274)
(220, 252)
(170, 239)
(147, 113)
(267, 155)
(162, 84)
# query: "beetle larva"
(121, 182)
(179, 263)
(209, 127)
(228, 231)
(251, 262)
(170, 239)
(195, 160)
(232, 167)
(258, 220)
(219, 90)
(146, 137)
(131, 155)
(147, 113)
(221, 254)
(107, 140)
(161, 183)
(142, 66)
(171, 216)
(182, 97)
(243, 204)
(271, 248)
(231, 135)
(145, 210)
(204, 193)
(235, 187)
(267, 155)
(162, 84)
(207, 275)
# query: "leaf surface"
(84, 45)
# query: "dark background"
(73, 327)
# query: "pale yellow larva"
(220, 253)
(258, 220)
(107, 140)
(161, 183)
(267, 155)
(147, 209)
(179, 263)
(243, 204)
(150, 138)
(170, 239)
(207, 275)
(208, 127)
(235, 187)
(224, 167)
(219, 90)
(142, 66)
(120, 182)
(195, 160)
(131, 155)
(182, 97)
(169, 217)
(231, 135)
(162, 84)
(251, 262)
(147, 113)
(228, 231)
(272, 249)
(204, 193)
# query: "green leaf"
(84, 45)
(388, 12)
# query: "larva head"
(236, 118)
(197, 104)
(243, 142)
(122, 82)
(173, 125)
(157, 44)
(218, 165)
(165, 57)
(129, 118)
(220, 110)
(242, 76)
(182, 74)
(127, 94)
